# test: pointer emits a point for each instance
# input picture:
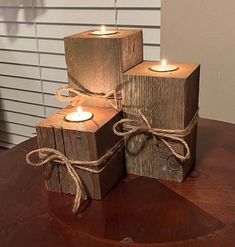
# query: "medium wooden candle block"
(98, 62)
(85, 141)
(169, 101)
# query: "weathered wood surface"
(87, 141)
(169, 101)
(46, 138)
(97, 62)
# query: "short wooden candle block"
(169, 101)
(98, 62)
(86, 141)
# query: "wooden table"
(198, 212)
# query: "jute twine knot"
(127, 127)
(78, 96)
(46, 155)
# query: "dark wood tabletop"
(144, 211)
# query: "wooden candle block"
(87, 141)
(98, 62)
(169, 101)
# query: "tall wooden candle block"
(98, 62)
(169, 100)
(87, 141)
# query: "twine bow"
(130, 126)
(81, 95)
(47, 155)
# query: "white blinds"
(32, 64)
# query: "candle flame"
(103, 29)
(79, 110)
(163, 63)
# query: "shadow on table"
(206, 139)
(4, 136)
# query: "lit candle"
(163, 63)
(164, 67)
(79, 115)
(103, 31)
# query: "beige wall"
(203, 31)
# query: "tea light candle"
(103, 31)
(164, 67)
(79, 115)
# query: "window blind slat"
(15, 3)
(16, 14)
(19, 29)
(75, 3)
(51, 60)
(24, 96)
(19, 70)
(19, 118)
(50, 74)
(20, 83)
(82, 3)
(125, 17)
(21, 107)
(16, 129)
(18, 44)
(139, 3)
(51, 87)
(19, 57)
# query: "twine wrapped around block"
(47, 155)
(78, 96)
(127, 127)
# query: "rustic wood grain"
(169, 101)
(46, 138)
(97, 62)
(87, 141)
